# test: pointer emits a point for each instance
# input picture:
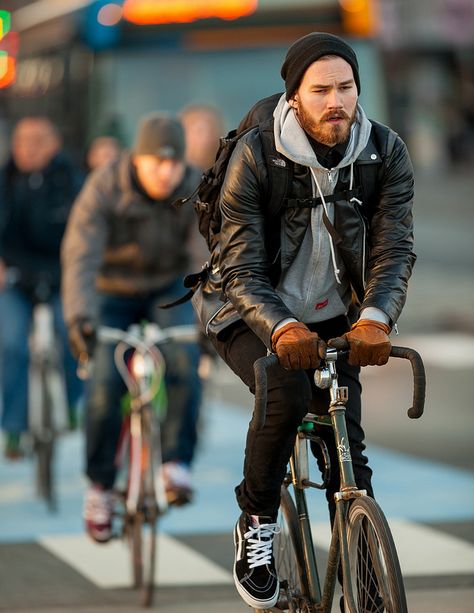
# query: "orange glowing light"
(7, 70)
(110, 14)
(360, 17)
(148, 12)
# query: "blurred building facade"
(97, 66)
(428, 53)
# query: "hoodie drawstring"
(331, 243)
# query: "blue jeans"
(102, 406)
(16, 311)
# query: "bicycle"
(140, 491)
(362, 546)
(47, 397)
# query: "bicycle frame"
(299, 470)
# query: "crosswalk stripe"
(109, 566)
(457, 349)
(422, 551)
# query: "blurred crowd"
(124, 250)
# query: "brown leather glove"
(369, 344)
(297, 347)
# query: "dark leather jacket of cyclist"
(254, 251)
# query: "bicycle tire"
(44, 446)
(375, 575)
(289, 560)
(143, 524)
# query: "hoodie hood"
(292, 142)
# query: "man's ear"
(293, 102)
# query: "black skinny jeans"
(291, 394)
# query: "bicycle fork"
(339, 549)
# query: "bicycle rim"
(375, 574)
(289, 560)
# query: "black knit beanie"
(310, 48)
(160, 134)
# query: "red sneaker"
(98, 507)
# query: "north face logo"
(278, 162)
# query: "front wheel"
(142, 527)
(44, 438)
(375, 575)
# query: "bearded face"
(326, 100)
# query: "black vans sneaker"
(254, 567)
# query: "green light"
(5, 20)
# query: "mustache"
(335, 115)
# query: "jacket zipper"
(215, 315)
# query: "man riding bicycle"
(38, 185)
(125, 251)
(335, 262)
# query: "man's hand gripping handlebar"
(339, 349)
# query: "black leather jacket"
(375, 238)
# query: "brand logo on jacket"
(321, 305)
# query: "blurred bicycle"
(47, 400)
(140, 495)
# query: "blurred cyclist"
(125, 252)
(37, 187)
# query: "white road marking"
(422, 551)
(108, 566)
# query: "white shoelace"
(98, 506)
(259, 549)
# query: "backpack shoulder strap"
(384, 139)
(279, 168)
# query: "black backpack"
(206, 196)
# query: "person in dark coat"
(125, 253)
(336, 263)
(38, 185)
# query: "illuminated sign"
(8, 48)
(148, 12)
(360, 17)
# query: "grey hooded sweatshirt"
(315, 287)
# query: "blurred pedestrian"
(125, 252)
(38, 185)
(102, 151)
(203, 125)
